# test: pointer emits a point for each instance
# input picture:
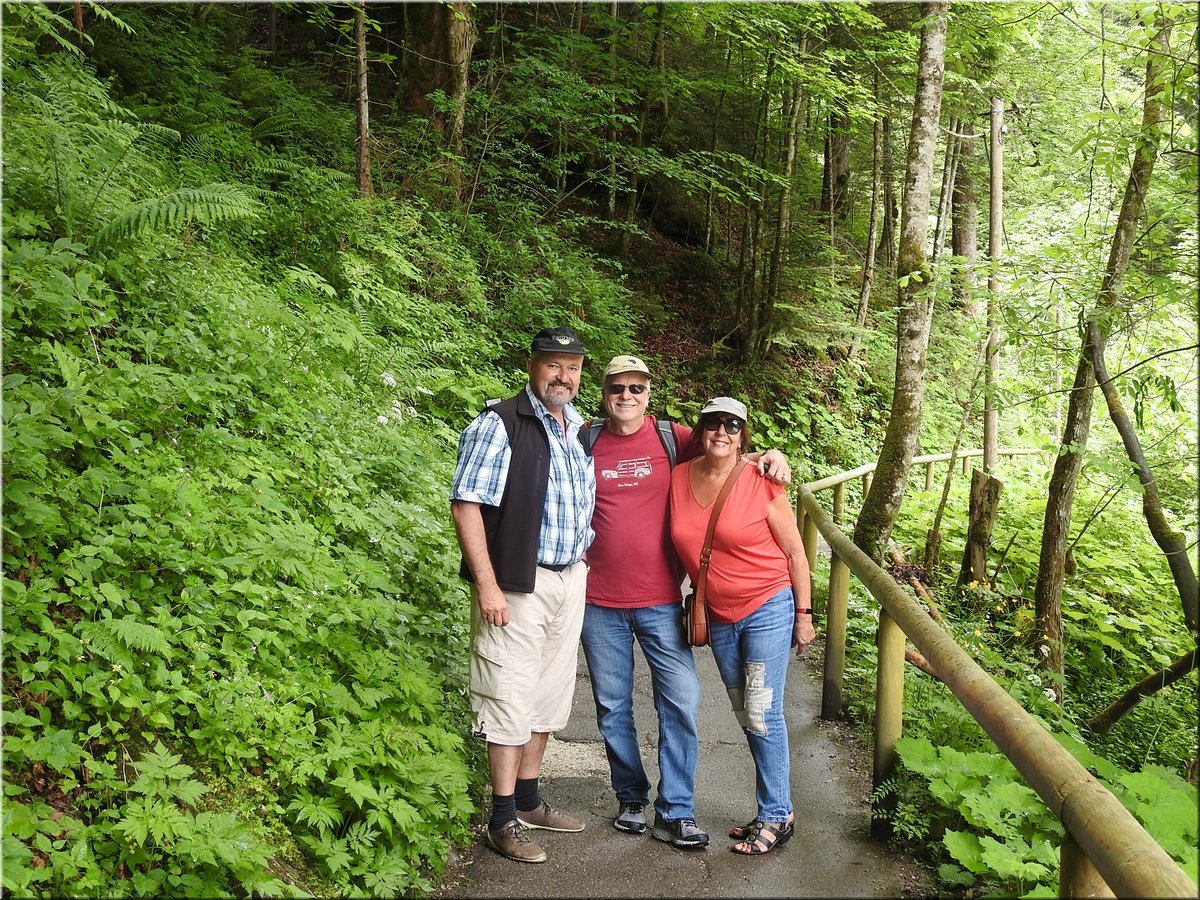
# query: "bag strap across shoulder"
(706, 551)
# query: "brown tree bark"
(882, 503)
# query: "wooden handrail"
(841, 477)
(1099, 827)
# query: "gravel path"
(831, 854)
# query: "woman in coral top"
(759, 602)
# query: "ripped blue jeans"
(752, 656)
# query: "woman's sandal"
(765, 838)
(741, 832)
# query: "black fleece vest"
(513, 527)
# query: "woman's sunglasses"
(634, 389)
(732, 426)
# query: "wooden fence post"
(839, 503)
(835, 638)
(1077, 877)
(889, 716)
(929, 476)
(808, 531)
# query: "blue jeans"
(608, 636)
(752, 656)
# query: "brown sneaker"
(548, 818)
(513, 841)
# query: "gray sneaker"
(631, 819)
(680, 832)
(513, 841)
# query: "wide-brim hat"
(622, 364)
(725, 405)
(557, 340)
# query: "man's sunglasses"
(732, 426)
(635, 389)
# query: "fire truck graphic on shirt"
(629, 468)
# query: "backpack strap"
(589, 434)
(666, 434)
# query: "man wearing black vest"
(522, 499)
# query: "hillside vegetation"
(234, 635)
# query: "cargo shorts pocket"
(491, 674)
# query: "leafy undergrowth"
(957, 801)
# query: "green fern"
(284, 124)
(132, 634)
(211, 203)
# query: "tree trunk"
(784, 216)
(613, 40)
(1172, 543)
(949, 168)
(710, 202)
(995, 242)
(272, 29)
(868, 275)
(882, 503)
(985, 501)
(639, 138)
(362, 167)
(887, 235)
(1057, 524)
(963, 243)
(461, 38)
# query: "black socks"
(527, 798)
(504, 810)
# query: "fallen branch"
(1104, 720)
(920, 662)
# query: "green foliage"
(996, 829)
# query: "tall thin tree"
(882, 503)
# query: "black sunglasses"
(634, 389)
(732, 426)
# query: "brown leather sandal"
(766, 837)
(741, 832)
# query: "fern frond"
(211, 203)
(130, 633)
(283, 124)
(275, 166)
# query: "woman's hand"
(803, 633)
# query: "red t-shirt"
(747, 567)
(632, 562)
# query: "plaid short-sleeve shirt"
(482, 472)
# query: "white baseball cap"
(725, 405)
